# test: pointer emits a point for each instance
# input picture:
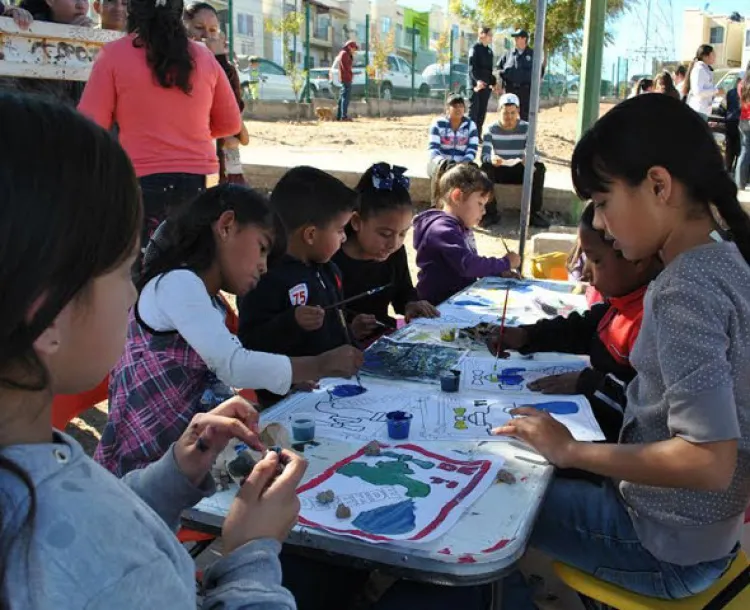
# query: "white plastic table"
(481, 548)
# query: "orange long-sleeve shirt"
(162, 130)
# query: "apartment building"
(249, 27)
(727, 34)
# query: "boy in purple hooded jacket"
(446, 251)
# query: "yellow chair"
(731, 592)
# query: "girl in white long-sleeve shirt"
(180, 358)
(699, 83)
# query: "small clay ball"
(325, 497)
(372, 449)
(343, 511)
(506, 477)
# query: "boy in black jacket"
(285, 313)
(606, 333)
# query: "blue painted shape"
(388, 520)
(511, 376)
(557, 407)
(470, 303)
(347, 390)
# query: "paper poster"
(504, 376)
(405, 494)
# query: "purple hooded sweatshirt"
(447, 256)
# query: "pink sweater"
(162, 130)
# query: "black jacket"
(481, 63)
(267, 321)
(516, 67)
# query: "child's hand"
(420, 309)
(309, 318)
(566, 383)
(543, 432)
(21, 17)
(513, 338)
(343, 361)
(208, 433)
(364, 325)
(267, 505)
(514, 259)
(216, 43)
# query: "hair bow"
(384, 176)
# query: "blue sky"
(625, 40)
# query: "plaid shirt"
(156, 388)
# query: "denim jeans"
(586, 525)
(743, 163)
(343, 108)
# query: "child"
(606, 332)
(71, 534)
(286, 313)
(253, 75)
(446, 252)
(667, 519)
(180, 359)
(374, 254)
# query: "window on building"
(322, 22)
(361, 32)
(747, 38)
(386, 25)
(717, 35)
(245, 24)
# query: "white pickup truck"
(394, 83)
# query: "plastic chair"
(730, 592)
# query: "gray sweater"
(101, 542)
(693, 382)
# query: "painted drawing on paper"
(411, 361)
(511, 375)
(405, 493)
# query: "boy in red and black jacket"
(606, 333)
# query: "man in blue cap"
(515, 71)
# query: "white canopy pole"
(536, 85)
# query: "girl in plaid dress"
(180, 359)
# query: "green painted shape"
(387, 473)
(402, 457)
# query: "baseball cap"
(520, 34)
(506, 99)
(351, 43)
(455, 98)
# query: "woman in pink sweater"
(170, 99)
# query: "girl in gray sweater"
(665, 520)
(71, 534)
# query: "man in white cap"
(503, 159)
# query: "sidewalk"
(265, 165)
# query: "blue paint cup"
(303, 427)
(399, 423)
(449, 381)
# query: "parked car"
(275, 83)
(320, 83)
(395, 83)
(553, 85)
(726, 81)
(436, 76)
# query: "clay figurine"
(372, 449)
(343, 512)
(504, 476)
(326, 497)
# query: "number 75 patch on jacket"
(298, 294)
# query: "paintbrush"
(356, 297)
(502, 331)
(340, 312)
(505, 244)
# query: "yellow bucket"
(550, 266)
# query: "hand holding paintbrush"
(340, 313)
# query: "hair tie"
(159, 3)
(384, 176)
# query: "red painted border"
(484, 466)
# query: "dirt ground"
(555, 137)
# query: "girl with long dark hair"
(698, 86)
(72, 535)
(170, 99)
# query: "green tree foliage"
(563, 24)
(288, 27)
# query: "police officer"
(481, 79)
(515, 71)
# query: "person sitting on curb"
(503, 150)
(453, 139)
